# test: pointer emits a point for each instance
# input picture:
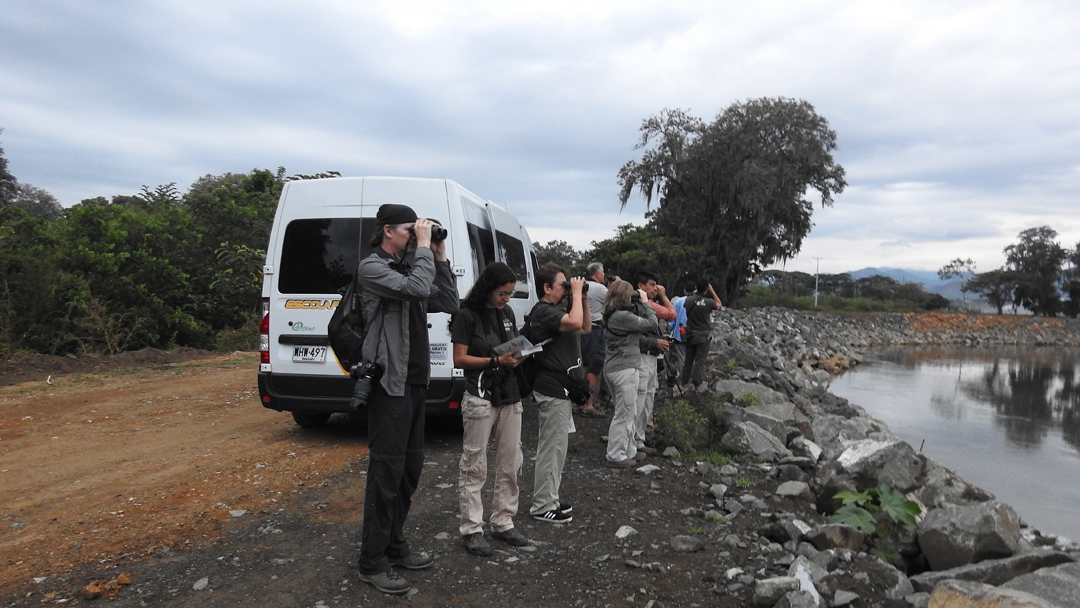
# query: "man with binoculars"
(406, 277)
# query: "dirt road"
(104, 467)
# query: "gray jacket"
(622, 334)
(386, 296)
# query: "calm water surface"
(1007, 421)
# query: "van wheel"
(311, 420)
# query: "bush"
(691, 425)
(243, 338)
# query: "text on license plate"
(308, 354)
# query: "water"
(1007, 421)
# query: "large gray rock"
(749, 438)
(872, 463)
(834, 433)
(963, 534)
(1059, 584)
(969, 594)
(801, 446)
(942, 487)
(994, 571)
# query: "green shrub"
(243, 338)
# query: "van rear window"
(318, 256)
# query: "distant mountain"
(928, 279)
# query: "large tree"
(738, 186)
(1037, 261)
(995, 286)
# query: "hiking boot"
(511, 537)
(413, 561)
(387, 582)
(554, 516)
(475, 544)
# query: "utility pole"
(817, 275)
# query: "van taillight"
(264, 333)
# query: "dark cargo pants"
(395, 461)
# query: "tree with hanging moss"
(738, 186)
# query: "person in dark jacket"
(407, 276)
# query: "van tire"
(311, 420)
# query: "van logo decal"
(298, 326)
(311, 304)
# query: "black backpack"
(346, 328)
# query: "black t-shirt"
(699, 311)
(562, 353)
(481, 332)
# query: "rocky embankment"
(769, 370)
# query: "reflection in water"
(1031, 395)
(1033, 391)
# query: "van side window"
(513, 253)
(482, 244)
(318, 256)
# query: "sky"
(958, 122)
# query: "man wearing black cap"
(407, 276)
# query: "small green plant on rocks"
(877, 512)
(717, 458)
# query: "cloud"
(957, 122)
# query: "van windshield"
(318, 256)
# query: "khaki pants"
(621, 445)
(480, 418)
(555, 428)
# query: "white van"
(321, 231)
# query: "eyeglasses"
(504, 294)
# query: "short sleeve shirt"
(597, 294)
(562, 353)
(481, 332)
(699, 311)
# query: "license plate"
(308, 354)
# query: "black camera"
(365, 373)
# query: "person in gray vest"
(407, 276)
